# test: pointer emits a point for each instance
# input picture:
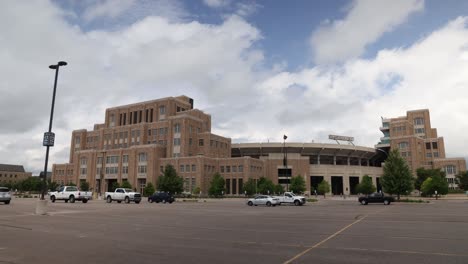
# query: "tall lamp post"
(49, 137)
(285, 162)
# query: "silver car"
(5, 195)
(263, 200)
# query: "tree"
(149, 189)
(114, 186)
(250, 187)
(435, 184)
(126, 185)
(323, 188)
(196, 190)
(366, 186)
(423, 174)
(217, 186)
(52, 185)
(265, 186)
(279, 189)
(298, 184)
(84, 186)
(462, 180)
(170, 181)
(397, 178)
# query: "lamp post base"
(41, 207)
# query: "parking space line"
(328, 238)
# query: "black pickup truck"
(376, 198)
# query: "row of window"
(235, 168)
(62, 172)
(186, 168)
(6, 175)
(430, 155)
(189, 184)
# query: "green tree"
(366, 186)
(52, 185)
(126, 185)
(462, 180)
(397, 178)
(250, 187)
(170, 181)
(265, 186)
(298, 184)
(114, 186)
(149, 189)
(423, 174)
(435, 184)
(84, 186)
(279, 189)
(196, 190)
(323, 188)
(217, 186)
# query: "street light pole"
(285, 162)
(49, 137)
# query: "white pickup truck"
(123, 194)
(291, 198)
(70, 193)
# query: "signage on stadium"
(342, 138)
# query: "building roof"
(11, 168)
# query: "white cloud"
(216, 3)
(107, 8)
(218, 67)
(366, 21)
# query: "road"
(228, 231)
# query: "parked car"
(263, 200)
(378, 197)
(291, 198)
(163, 197)
(123, 194)
(5, 195)
(70, 193)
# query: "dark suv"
(163, 197)
(379, 197)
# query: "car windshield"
(3, 189)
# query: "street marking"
(328, 238)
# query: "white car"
(263, 200)
(70, 193)
(123, 194)
(5, 195)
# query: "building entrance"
(314, 182)
(353, 182)
(337, 185)
(110, 185)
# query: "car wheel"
(386, 202)
(72, 199)
(274, 205)
(250, 203)
(84, 200)
(137, 202)
(127, 200)
(119, 201)
(364, 202)
(268, 203)
(297, 203)
(150, 200)
(7, 202)
(52, 198)
(109, 199)
(157, 201)
(171, 202)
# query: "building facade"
(419, 144)
(11, 174)
(137, 141)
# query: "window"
(162, 110)
(124, 169)
(141, 169)
(194, 167)
(142, 157)
(403, 145)
(241, 168)
(222, 168)
(177, 128)
(428, 145)
(182, 167)
(149, 132)
(176, 141)
(434, 145)
(187, 168)
(83, 161)
(436, 154)
(190, 141)
(429, 155)
(419, 121)
(450, 169)
(419, 131)
(125, 159)
(83, 171)
(200, 142)
(112, 159)
(234, 168)
(228, 168)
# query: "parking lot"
(228, 231)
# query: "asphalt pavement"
(229, 231)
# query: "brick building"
(419, 144)
(12, 174)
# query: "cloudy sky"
(260, 68)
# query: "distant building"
(12, 174)
(419, 144)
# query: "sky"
(262, 69)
